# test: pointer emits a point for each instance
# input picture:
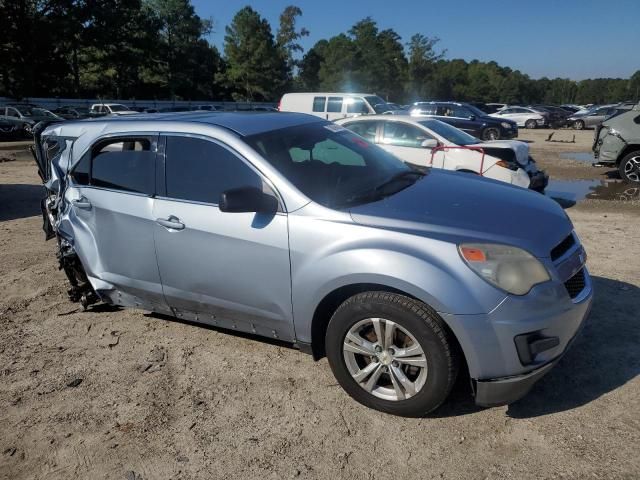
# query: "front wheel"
(531, 124)
(578, 125)
(630, 167)
(391, 353)
(491, 134)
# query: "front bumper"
(503, 391)
(499, 371)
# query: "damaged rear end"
(52, 153)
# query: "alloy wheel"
(385, 359)
(632, 169)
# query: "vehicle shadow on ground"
(20, 201)
(604, 356)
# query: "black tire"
(427, 328)
(629, 167)
(531, 124)
(578, 125)
(491, 134)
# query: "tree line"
(158, 49)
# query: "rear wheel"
(491, 134)
(391, 353)
(630, 167)
(578, 125)
(531, 124)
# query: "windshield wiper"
(378, 192)
(404, 175)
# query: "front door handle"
(172, 222)
(82, 202)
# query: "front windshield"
(452, 134)
(328, 163)
(119, 108)
(378, 104)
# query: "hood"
(520, 149)
(459, 208)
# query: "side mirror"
(247, 199)
(429, 143)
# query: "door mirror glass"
(247, 199)
(429, 143)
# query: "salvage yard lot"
(123, 394)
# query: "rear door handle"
(172, 222)
(82, 203)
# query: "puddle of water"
(568, 192)
(579, 156)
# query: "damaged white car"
(427, 142)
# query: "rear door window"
(200, 170)
(334, 105)
(456, 111)
(126, 164)
(366, 129)
(403, 135)
(319, 103)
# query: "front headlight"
(509, 268)
(506, 125)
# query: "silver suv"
(294, 228)
(617, 144)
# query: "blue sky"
(562, 38)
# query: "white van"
(332, 106)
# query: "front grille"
(563, 247)
(575, 284)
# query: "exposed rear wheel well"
(329, 304)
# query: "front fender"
(440, 279)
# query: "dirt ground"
(121, 394)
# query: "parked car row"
(20, 118)
(17, 119)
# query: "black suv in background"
(468, 118)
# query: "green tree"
(421, 64)
(287, 39)
(309, 69)
(187, 61)
(338, 64)
(255, 68)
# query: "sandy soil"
(121, 394)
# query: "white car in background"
(527, 117)
(431, 143)
(111, 109)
